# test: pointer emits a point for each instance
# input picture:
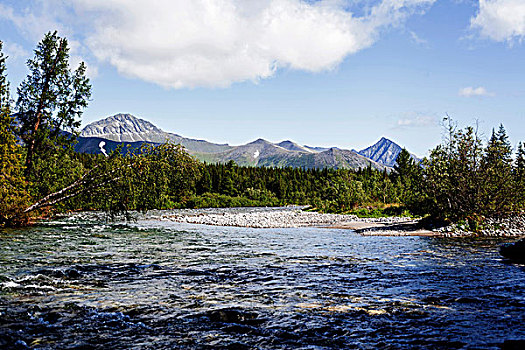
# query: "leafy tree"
(148, 178)
(452, 182)
(50, 100)
(464, 180)
(13, 194)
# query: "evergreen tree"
(498, 187)
(408, 177)
(50, 99)
(13, 194)
(520, 162)
(519, 175)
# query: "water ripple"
(80, 282)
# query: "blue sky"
(322, 73)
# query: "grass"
(380, 211)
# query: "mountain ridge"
(127, 129)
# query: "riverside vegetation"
(463, 180)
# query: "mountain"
(246, 155)
(292, 146)
(92, 145)
(129, 130)
(334, 158)
(383, 152)
(317, 149)
(265, 153)
(125, 128)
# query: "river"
(83, 283)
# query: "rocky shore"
(507, 227)
(296, 217)
(260, 219)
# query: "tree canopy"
(13, 194)
(50, 100)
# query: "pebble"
(272, 219)
(513, 226)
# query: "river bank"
(296, 217)
(286, 217)
(290, 217)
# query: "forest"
(463, 178)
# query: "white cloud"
(417, 121)
(418, 40)
(34, 22)
(47, 16)
(91, 69)
(15, 51)
(473, 92)
(500, 20)
(214, 43)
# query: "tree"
(147, 178)
(50, 100)
(462, 179)
(498, 187)
(408, 177)
(520, 162)
(452, 181)
(13, 194)
(519, 174)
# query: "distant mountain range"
(126, 129)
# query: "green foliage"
(148, 178)
(378, 212)
(452, 182)
(13, 194)
(326, 189)
(407, 178)
(519, 175)
(497, 178)
(465, 180)
(215, 200)
(50, 101)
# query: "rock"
(232, 315)
(514, 251)
(513, 344)
(270, 218)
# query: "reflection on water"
(83, 283)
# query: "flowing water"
(82, 283)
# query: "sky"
(326, 73)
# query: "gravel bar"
(272, 218)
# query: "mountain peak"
(260, 142)
(384, 152)
(123, 127)
(123, 118)
(292, 146)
